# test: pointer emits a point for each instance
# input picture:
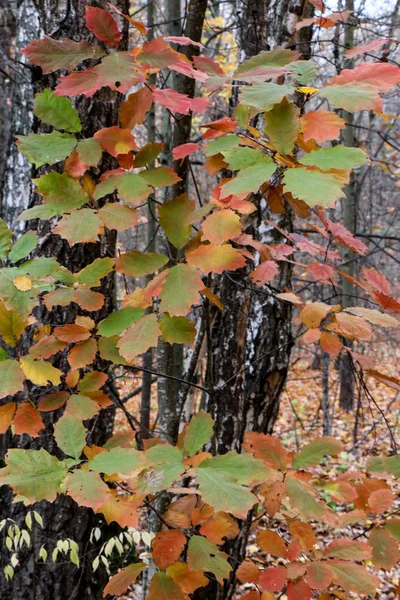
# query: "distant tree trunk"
(63, 518)
(252, 338)
(346, 395)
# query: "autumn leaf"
(103, 25)
(80, 227)
(163, 587)
(321, 125)
(119, 583)
(180, 290)
(217, 259)
(27, 420)
(206, 556)
(87, 488)
(57, 112)
(221, 226)
(52, 54)
(139, 337)
(167, 547)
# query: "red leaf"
(300, 590)
(365, 48)
(264, 272)
(135, 108)
(321, 125)
(182, 40)
(167, 547)
(53, 401)
(273, 579)
(184, 150)
(383, 76)
(218, 128)
(380, 501)
(180, 103)
(321, 272)
(120, 582)
(267, 448)
(103, 25)
(319, 575)
(27, 420)
(51, 54)
(376, 281)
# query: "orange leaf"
(71, 333)
(167, 547)
(7, 412)
(219, 526)
(271, 542)
(120, 582)
(248, 572)
(27, 420)
(116, 140)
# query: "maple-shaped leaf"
(46, 148)
(173, 215)
(135, 108)
(83, 354)
(352, 96)
(282, 125)
(180, 103)
(158, 54)
(248, 180)
(177, 330)
(87, 488)
(140, 337)
(167, 547)
(27, 420)
(80, 227)
(115, 140)
(70, 435)
(187, 579)
(336, 157)
(163, 587)
(89, 151)
(217, 259)
(206, 556)
(119, 583)
(133, 188)
(264, 95)
(264, 272)
(180, 290)
(354, 578)
(57, 112)
(313, 187)
(383, 76)
(137, 264)
(35, 474)
(221, 226)
(321, 125)
(103, 25)
(312, 453)
(118, 460)
(11, 378)
(52, 54)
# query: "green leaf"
(42, 267)
(173, 216)
(354, 578)
(5, 239)
(109, 351)
(384, 464)
(313, 187)
(264, 95)
(80, 227)
(180, 290)
(81, 407)
(147, 153)
(243, 467)
(223, 493)
(282, 125)
(248, 180)
(167, 467)
(70, 435)
(137, 264)
(140, 337)
(312, 453)
(118, 321)
(206, 556)
(21, 302)
(90, 151)
(347, 549)
(243, 157)
(351, 96)
(57, 111)
(118, 216)
(198, 432)
(177, 330)
(46, 148)
(336, 157)
(305, 71)
(163, 587)
(92, 275)
(35, 474)
(118, 460)
(133, 188)
(278, 57)
(385, 550)
(302, 500)
(23, 246)
(11, 378)
(393, 527)
(227, 142)
(160, 177)
(61, 191)
(87, 488)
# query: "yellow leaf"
(307, 90)
(23, 283)
(40, 372)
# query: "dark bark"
(63, 518)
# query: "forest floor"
(300, 421)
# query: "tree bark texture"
(64, 518)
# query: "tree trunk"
(63, 518)
(252, 338)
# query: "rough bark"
(64, 518)
(252, 339)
